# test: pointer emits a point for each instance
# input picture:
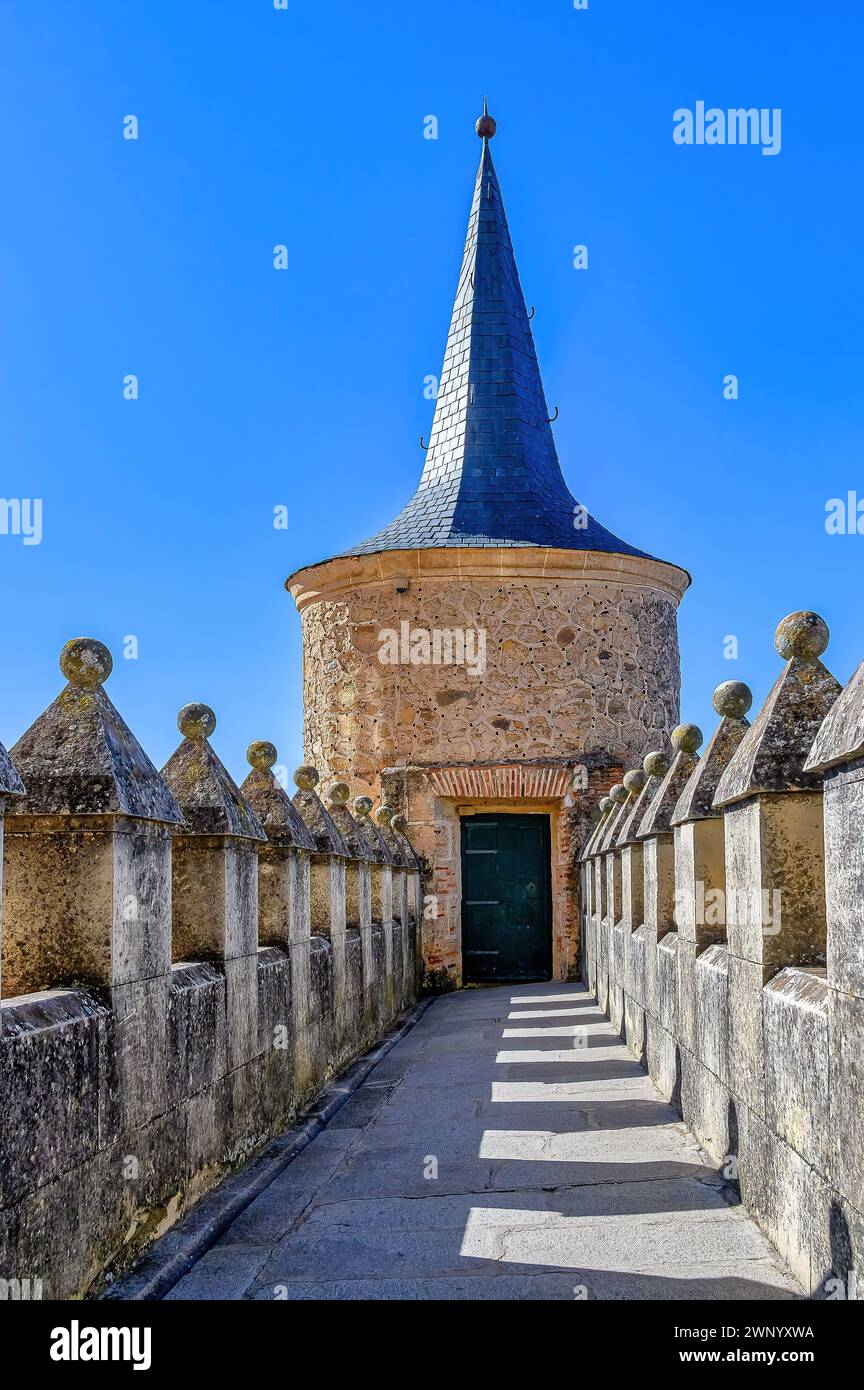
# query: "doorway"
(506, 898)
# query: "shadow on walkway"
(507, 1148)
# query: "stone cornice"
(349, 573)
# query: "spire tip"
(485, 126)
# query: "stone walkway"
(490, 1157)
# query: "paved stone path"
(487, 1157)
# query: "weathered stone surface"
(215, 893)
(795, 1029)
(846, 1049)
(197, 1037)
(629, 831)
(621, 798)
(700, 881)
(50, 1049)
(10, 783)
(363, 715)
(696, 801)
(840, 737)
(105, 920)
(81, 759)
(667, 982)
(595, 822)
(843, 806)
(319, 822)
(401, 859)
(276, 813)
(369, 832)
(710, 974)
(775, 900)
(746, 1051)
(707, 1110)
(657, 819)
(210, 800)
(632, 886)
(355, 843)
(765, 1061)
(773, 753)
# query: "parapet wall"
(723, 933)
(184, 965)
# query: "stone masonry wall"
(185, 963)
(723, 920)
(580, 672)
(572, 668)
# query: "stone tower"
(494, 650)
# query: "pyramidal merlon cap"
(492, 476)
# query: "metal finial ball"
(261, 755)
(733, 699)
(656, 764)
(618, 793)
(804, 635)
(384, 815)
(86, 662)
(399, 824)
(687, 738)
(306, 778)
(338, 793)
(635, 780)
(363, 805)
(606, 804)
(196, 721)
(486, 126)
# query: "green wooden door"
(506, 898)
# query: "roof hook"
(422, 445)
(531, 315)
(550, 419)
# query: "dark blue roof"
(492, 476)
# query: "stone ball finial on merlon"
(261, 755)
(618, 793)
(384, 815)
(732, 699)
(635, 780)
(686, 738)
(363, 805)
(338, 793)
(606, 804)
(86, 662)
(196, 721)
(306, 778)
(803, 635)
(656, 764)
(399, 824)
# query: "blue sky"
(304, 388)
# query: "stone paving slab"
(483, 1160)
(725, 1284)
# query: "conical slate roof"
(492, 476)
